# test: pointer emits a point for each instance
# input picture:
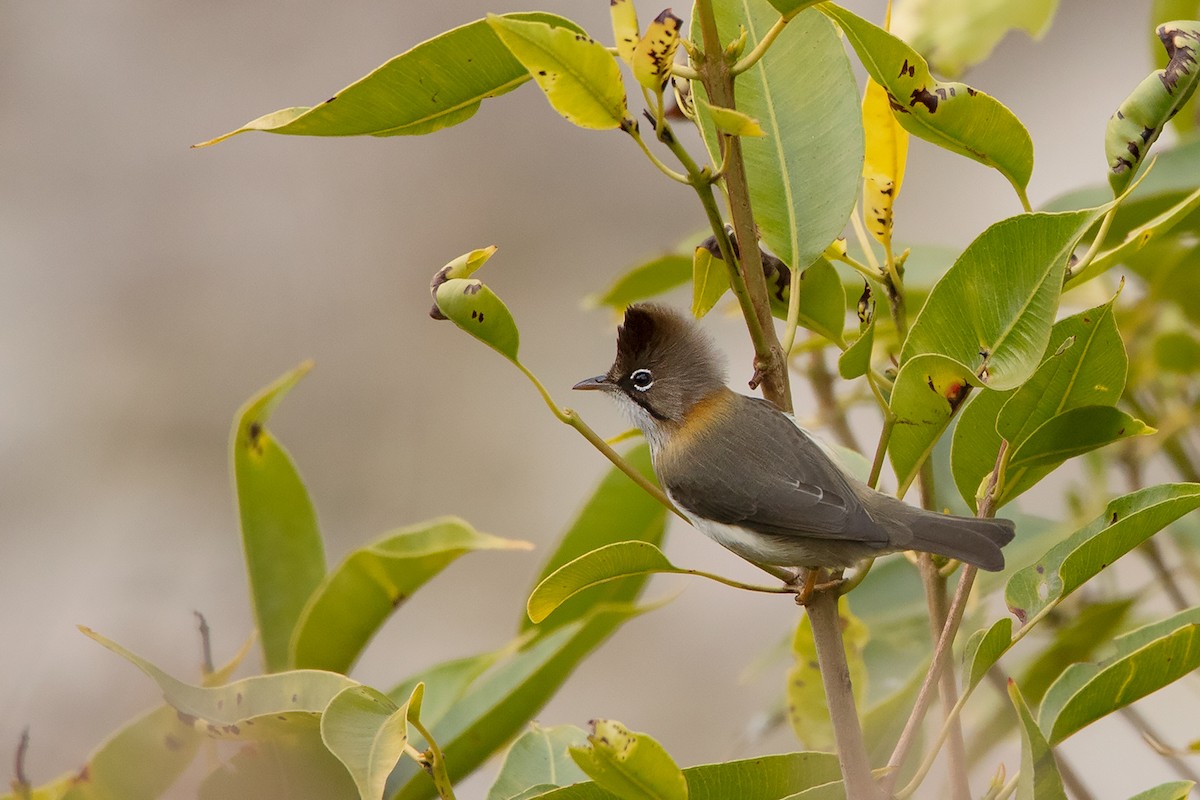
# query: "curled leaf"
(462, 267)
(475, 308)
(1140, 119)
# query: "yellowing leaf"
(654, 53)
(625, 28)
(883, 162)
(731, 121)
(578, 76)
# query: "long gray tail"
(969, 539)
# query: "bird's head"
(665, 365)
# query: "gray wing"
(780, 483)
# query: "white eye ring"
(641, 379)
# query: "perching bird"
(752, 480)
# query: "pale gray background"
(146, 290)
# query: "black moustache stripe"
(641, 401)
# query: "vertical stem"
(956, 753)
(770, 362)
(835, 675)
(821, 380)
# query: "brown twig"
(956, 753)
(831, 411)
(835, 676)
(206, 663)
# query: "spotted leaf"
(578, 76)
(1140, 119)
(951, 115)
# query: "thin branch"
(206, 661)
(770, 361)
(940, 655)
(835, 676)
(935, 595)
(1148, 732)
(20, 778)
(831, 411)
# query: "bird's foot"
(806, 583)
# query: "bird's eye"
(641, 379)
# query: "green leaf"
(804, 173)
(140, 761)
(355, 599)
(1138, 638)
(297, 766)
(1138, 239)
(822, 302)
(285, 557)
(1086, 692)
(807, 706)
(1074, 432)
(984, 649)
(950, 115)
(1085, 365)
(475, 308)
(252, 708)
(501, 702)
(652, 278)
(990, 319)
(1139, 120)
(955, 36)
(1126, 522)
(928, 390)
(856, 360)
(618, 510)
(710, 281)
(763, 778)
(993, 310)
(975, 443)
(608, 563)
(539, 758)
(445, 683)
(1039, 778)
(631, 765)
(1077, 639)
(368, 733)
(578, 76)
(1176, 790)
(437, 84)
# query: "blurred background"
(147, 290)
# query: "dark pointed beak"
(598, 382)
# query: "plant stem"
(941, 653)
(831, 412)
(433, 763)
(663, 168)
(571, 417)
(935, 596)
(885, 435)
(770, 362)
(835, 676)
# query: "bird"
(749, 477)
